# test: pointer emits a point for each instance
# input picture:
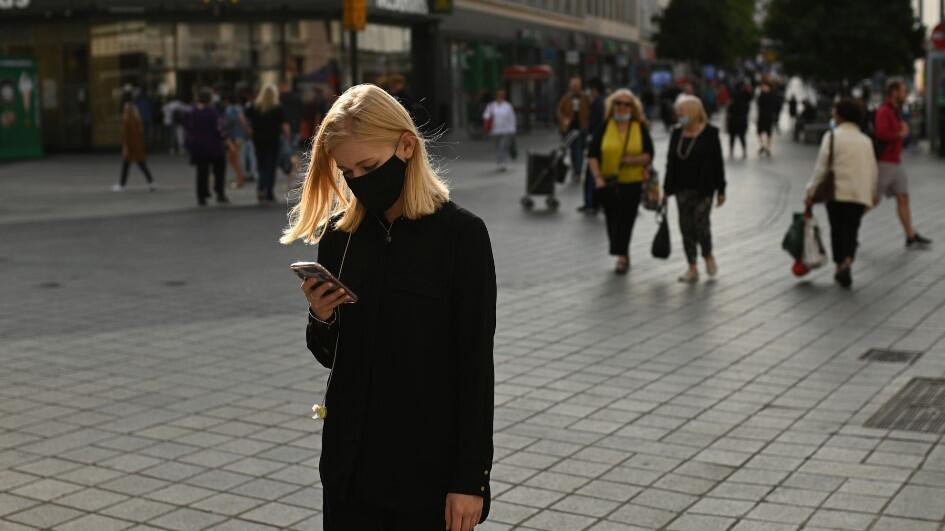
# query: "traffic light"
(355, 15)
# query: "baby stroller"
(542, 170)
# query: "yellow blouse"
(612, 151)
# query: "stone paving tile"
(94, 522)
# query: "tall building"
(90, 53)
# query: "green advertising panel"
(19, 110)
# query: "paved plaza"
(155, 373)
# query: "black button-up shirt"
(410, 402)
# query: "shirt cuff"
(329, 322)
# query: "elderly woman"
(847, 152)
(620, 151)
(695, 173)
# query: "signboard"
(19, 110)
(416, 7)
(938, 36)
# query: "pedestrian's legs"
(577, 156)
(147, 173)
(219, 178)
(744, 143)
(703, 232)
(590, 187)
(905, 214)
(267, 173)
(607, 199)
(731, 144)
(628, 204)
(250, 162)
(233, 157)
(502, 149)
(686, 202)
(844, 230)
(124, 172)
(203, 171)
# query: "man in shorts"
(891, 131)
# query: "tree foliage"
(838, 40)
(718, 32)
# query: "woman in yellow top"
(619, 153)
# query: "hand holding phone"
(323, 291)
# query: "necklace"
(386, 228)
(683, 153)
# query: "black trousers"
(694, 223)
(844, 228)
(621, 204)
(268, 158)
(126, 165)
(356, 514)
(203, 176)
(741, 140)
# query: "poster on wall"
(19, 110)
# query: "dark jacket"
(702, 170)
(204, 134)
(410, 403)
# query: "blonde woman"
(407, 440)
(620, 151)
(268, 123)
(133, 147)
(695, 174)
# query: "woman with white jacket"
(502, 116)
(855, 174)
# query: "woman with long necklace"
(407, 438)
(695, 173)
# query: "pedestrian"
(236, 131)
(133, 148)
(695, 174)
(768, 110)
(574, 109)
(269, 126)
(407, 441)
(205, 142)
(594, 122)
(618, 155)
(292, 108)
(848, 153)
(247, 153)
(502, 115)
(736, 118)
(891, 131)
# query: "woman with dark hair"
(620, 151)
(848, 154)
(206, 145)
(736, 118)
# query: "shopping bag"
(661, 245)
(814, 253)
(651, 189)
(793, 241)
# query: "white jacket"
(503, 118)
(854, 165)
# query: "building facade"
(89, 54)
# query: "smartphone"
(306, 270)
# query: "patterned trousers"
(694, 223)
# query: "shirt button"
(482, 489)
(485, 472)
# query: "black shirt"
(701, 166)
(267, 126)
(410, 403)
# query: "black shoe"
(844, 277)
(918, 241)
(222, 200)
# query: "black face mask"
(380, 188)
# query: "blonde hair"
(693, 108)
(267, 98)
(368, 114)
(636, 108)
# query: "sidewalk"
(156, 375)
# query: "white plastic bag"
(814, 254)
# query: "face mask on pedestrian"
(622, 116)
(684, 121)
(380, 188)
(833, 123)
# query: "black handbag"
(661, 246)
(827, 188)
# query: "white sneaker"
(689, 277)
(711, 267)
(118, 188)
